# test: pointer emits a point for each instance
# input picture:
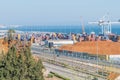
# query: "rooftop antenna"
(81, 19)
(105, 24)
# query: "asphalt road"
(69, 61)
(72, 75)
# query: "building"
(102, 50)
(113, 76)
(57, 43)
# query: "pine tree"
(20, 66)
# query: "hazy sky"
(56, 12)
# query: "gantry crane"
(105, 24)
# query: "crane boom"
(83, 30)
(104, 22)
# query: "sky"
(56, 12)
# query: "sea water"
(67, 29)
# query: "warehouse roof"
(113, 76)
(94, 47)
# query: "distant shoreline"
(64, 29)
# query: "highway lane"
(67, 61)
(68, 73)
(76, 62)
(73, 63)
(72, 75)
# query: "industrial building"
(57, 43)
(97, 50)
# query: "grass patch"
(50, 75)
(59, 76)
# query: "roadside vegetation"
(59, 76)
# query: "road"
(74, 63)
(72, 75)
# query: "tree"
(10, 34)
(20, 66)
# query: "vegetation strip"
(59, 76)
